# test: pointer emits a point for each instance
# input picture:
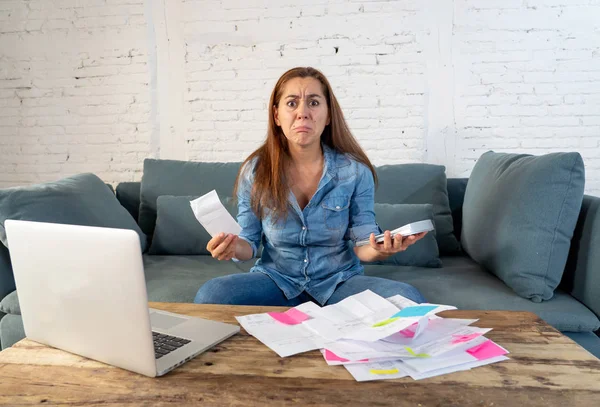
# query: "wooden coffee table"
(545, 369)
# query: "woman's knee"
(213, 292)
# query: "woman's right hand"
(222, 246)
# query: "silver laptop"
(82, 289)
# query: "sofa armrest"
(582, 271)
(7, 280)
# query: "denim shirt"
(309, 250)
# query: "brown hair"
(270, 187)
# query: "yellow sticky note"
(381, 371)
(417, 355)
(383, 323)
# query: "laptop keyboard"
(165, 344)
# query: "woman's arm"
(243, 247)
(379, 251)
(363, 224)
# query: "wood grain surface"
(545, 369)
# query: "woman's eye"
(314, 103)
(291, 103)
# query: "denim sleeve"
(362, 215)
(251, 225)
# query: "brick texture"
(98, 85)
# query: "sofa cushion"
(178, 278)
(465, 284)
(11, 330)
(519, 215)
(425, 252)
(177, 230)
(420, 184)
(10, 304)
(81, 199)
(461, 282)
(179, 178)
(7, 280)
(128, 194)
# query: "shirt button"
(306, 260)
(303, 227)
(337, 207)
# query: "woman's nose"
(302, 111)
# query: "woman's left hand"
(396, 244)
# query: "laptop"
(82, 289)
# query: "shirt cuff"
(362, 232)
(252, 245)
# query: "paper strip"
(332, 357)
(410, 331)
(290, 317)
(417, 355)
(416, 311)
(464, 338)
(383, 323)
(380, 371)
(487, 350)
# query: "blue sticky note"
(416, 311)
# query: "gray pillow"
(179, 178)
(425, 252)
(519, 215)
(420, 184)
(81, 199)
(177, 230)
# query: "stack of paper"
(376, 338)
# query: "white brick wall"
(527, 79)
(437, 81)
(74, 90)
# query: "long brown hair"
(270, 188)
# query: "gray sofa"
(574, 309)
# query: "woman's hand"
(222, 246)
(394, 245)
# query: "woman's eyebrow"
(312, 95)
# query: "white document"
(437, 338)
(213, 216)
(457, 368)
(406, 230)
(355, 314)
(458, 356)
(334, 360)
(398, 368)
(401, 302)
(285, 340)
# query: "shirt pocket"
(336, 212)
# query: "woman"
(307, 193)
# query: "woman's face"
(302, 112)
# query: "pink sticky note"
(464, 338)
(290, 317)
(410, 331)
(332, 357)
(486, 350)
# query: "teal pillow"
(81, 199)
(425, 252)
(179, 178)
(420, 184)
(519, 215)
(177, 230)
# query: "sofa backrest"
(128, 193)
